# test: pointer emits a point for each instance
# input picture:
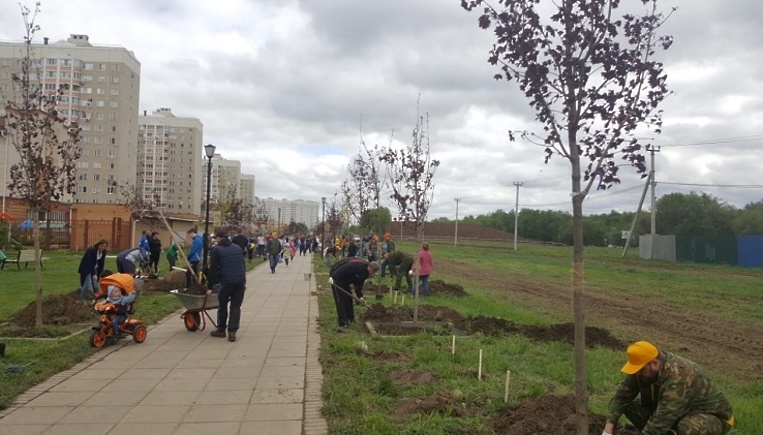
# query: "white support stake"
(402, 301)
(479, 369)
(453, 346)
(508, 380)
(395, 301)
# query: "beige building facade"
(169, 161)
(246, 189)
(101, 92)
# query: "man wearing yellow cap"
(676, 396)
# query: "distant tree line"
(679, 214)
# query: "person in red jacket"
(426, 263)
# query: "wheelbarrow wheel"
(97, 338)
(192, 321)
(139, 334)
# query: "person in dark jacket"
(352, 250)
(227, 271)
(129, 260)
(91, 265)
(348, 274)
(155, 248)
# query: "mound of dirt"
(379, 311)
(486, 325)
(439, 287)
(413, 377)
(441, 402)
(174, 280)
(374, 289)
(549, 414)
(56, 310)
(196, 289)
(439, 314)
(566, 332)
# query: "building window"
(101, 79)
(114, 104)
(112, 153)
(87, 78)
(115, 67)
(115, 80)
(110, 190)
(102, 66)
(114, 91)
(88, 66)
(51, 61)
(99, 103)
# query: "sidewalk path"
(180, 382)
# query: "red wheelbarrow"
(195, 306)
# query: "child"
(172, 255)
(120, 291)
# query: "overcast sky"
(282, 86)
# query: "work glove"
(605, 433)
(363, 301)
(331, 280)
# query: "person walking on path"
(426, 263)
(194, 255)
(227, 271)
(676, 396)
(274, 252)
(129, 260)
(347, 274)
(155, 247)
(261, 246)
(91, 264)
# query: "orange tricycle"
(118, 308)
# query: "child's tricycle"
(119, 290)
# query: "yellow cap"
(640, 354)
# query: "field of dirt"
(57, 310)
(720, 343)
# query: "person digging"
(348, 272)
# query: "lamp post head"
(209, 150)
(323, 200)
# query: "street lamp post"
(323, 226)
(209, 150)
(279, 221)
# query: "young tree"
(592, 80)
(334, 217)
(411, 173)
(46, 169)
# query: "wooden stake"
(180, 248)
(402, 301)
(395, 301)
(453, 346)
(479, 368)
(508, 380)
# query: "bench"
(25, 256)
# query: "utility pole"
(455, 238)
(652, 150)
(516, 213)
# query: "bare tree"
(46, 169)
(259, 214)
(334, 217)
(411, 174)
(591, 78)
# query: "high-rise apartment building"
(298, 211)
(246, 189)
(169, 161)
(226, 177)
(101, 91)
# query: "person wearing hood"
(227, 271)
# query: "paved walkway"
(180, 382)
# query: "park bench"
(25, 256)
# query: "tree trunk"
(578, 306)
(37, 268)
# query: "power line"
(741, 186)
(717, 141)
(593, 197)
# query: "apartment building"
(299, 211)
(102, 90)
(246, 189)
(169, 161)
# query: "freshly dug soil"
(56, 310)
(549, 414)
(566, 332)
(174, 280)
(413, 377)
(379, 311)
(373, 289)
(439, 287)
(195, 289)
(487, 325)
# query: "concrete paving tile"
(91, 373)
(215, 413)
(277, 411)
(287, 382)
(126, 385)
(254, 361)
(128, 398)
(230, 384)
(199, 363)
(130, 428)
(157, 414)
(288, 371)
(277, 395)
(60, 399)
(197, 373)
(79, 429)
(240, 372)
(137, 373)
(112, 364)
(285, 361)
(181, 385)
(227, 428)
(36, 415)
(81, 385)
(286, 427)
(159, 398)
(235, 397)
(25, 429)
(91, 414)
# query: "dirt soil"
(174, 280)
(716, 342)
(439, 287)
(480, 324)
(57, 310)
(549, 414)
(413, 377)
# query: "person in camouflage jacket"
(399, 265)
(676, 396)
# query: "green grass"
(360, 396)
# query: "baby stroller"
(122, 286)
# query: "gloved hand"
(363, 301)
(331, 280)
(605, 433)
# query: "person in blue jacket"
(194, 255)
(91, 264)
